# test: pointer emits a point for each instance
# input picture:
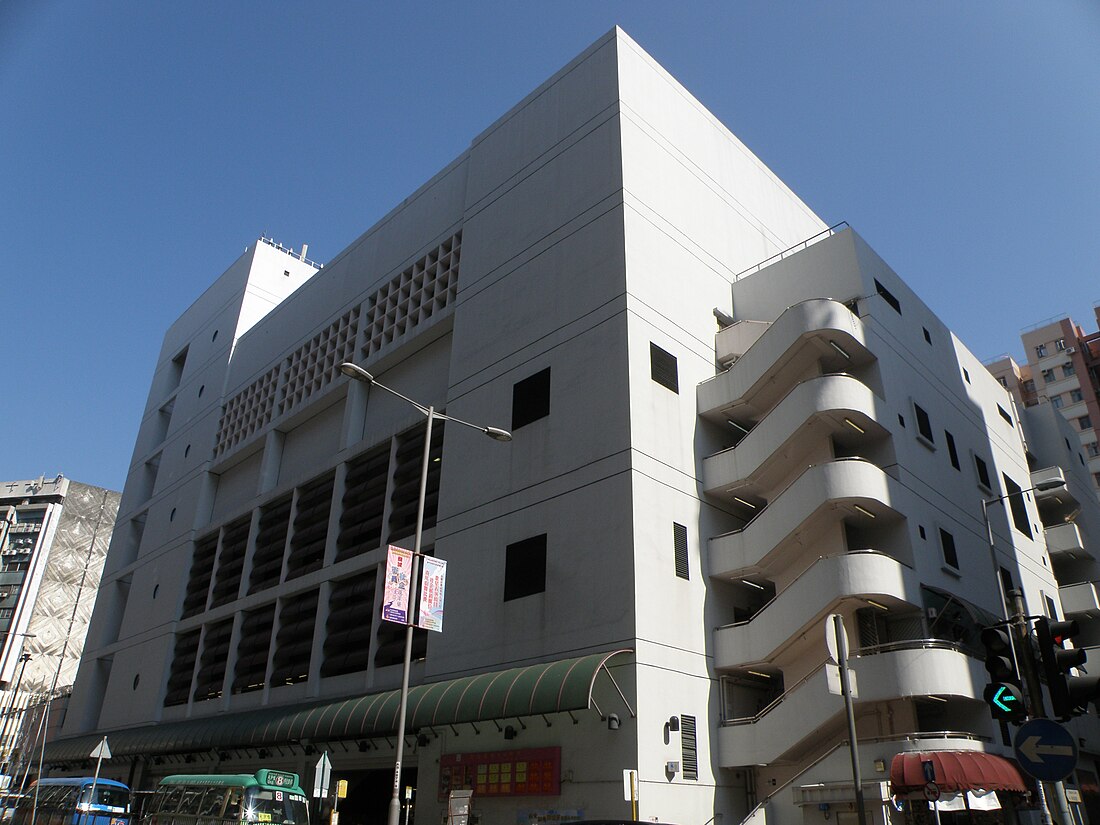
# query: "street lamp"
(1042, 487)
(9, 710)
(497, 434)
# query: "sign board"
(931, 791)
(836, 639)
(334, 818)
(322, 773)
(630, 786)
(832, 675)
(929, 768)
(101, 751)
(433, 582)
(341, 789)
(395, 600)
(1073, 795)
(1045, 750)
(458, 807)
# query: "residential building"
(729, 422)
(54, 535)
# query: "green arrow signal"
(1002, 698)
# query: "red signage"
(527, 772)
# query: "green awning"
(550, 687)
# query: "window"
(531, 399)
(927, 335)
(920, 529)
(689, 751)
(952, 453)
(983, 473)
(662, 368)
(1093, 449)
(1016, 505)
(1075, 396)
(950, 554)
(1041, 351)
(924, 423)
(1060, 344)
(888, 297)
(1056, 401)
(1029, 385)
(1004, 414)
(525, 568)
(1003, 382)
(966, 375)
(1068, 370)
(680, 547)
(1048, 376)
(1084, 422)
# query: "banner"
(432, 585)
(395, 601)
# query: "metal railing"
(290, 252)
(798, 247)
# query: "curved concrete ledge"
(802, 334)
(820, 488)
(798, 423)
(827, 583)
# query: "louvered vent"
(406, 481)
(215, 653)
(198, 584)
(680, 547)
(267, 559)
(183, 668)
(227, 582)
(364, 503)
(252, 650)
(348, 631)
(689, 748)
(662, 368)
(307, 542)
(294, 640)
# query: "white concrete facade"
(592, 231)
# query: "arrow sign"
(1004, 700)
(322, 773)
(1046, 750)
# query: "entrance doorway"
(369, 793)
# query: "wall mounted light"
(612, 721)
(674, 723)
(509, 732)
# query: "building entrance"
(369, 793)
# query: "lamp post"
(360, 374)
(9, 710)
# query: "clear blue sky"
(143, 145)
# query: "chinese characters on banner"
(524, 772)
(395, 601)
(432, 585)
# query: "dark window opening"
(952, 453)
(888, 297)
(950, 554)
(1017, 505)
(680, 545)
(901, 419)
(920, 529)
(983, 473)
(924, 423)
(1004, 414)
(525, 568)
(662, 368)
(927, 335)
(531, 399)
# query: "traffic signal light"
(1068, 694)
(1003, 693)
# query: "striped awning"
(549, 687)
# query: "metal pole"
(394, 815)
(846, 689)
(9, 714)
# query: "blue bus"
(68, 801)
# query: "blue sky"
(144, 145)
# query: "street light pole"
(9, 711)
(360, 374)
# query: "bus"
(266, 797)
(67, 800)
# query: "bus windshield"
(263, 806)
(116, 800)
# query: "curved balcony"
(830, 581)
(1079, 599)
(817, 330)
(929, 668)
(839, 406)
(849, 487)
(1064, 541)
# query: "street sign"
(322, 773)
(836, 640)
(102, 750)
(1005, 702)
(341, 789)
(929, 768)
(931, 791)
(1045, 750)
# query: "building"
(1061, 370)
(54, 535)
(730, 421)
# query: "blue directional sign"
(1046, 750)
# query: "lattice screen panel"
(248, 412)
(315, 364)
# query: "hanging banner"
(395, 601)
(432, 585)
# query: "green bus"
(264, 798)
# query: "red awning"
(955, 771)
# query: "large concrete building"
(729, 422)
(54, 535)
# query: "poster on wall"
(432, 585)
(395, 601)
(520, 772)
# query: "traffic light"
(1068, 694)
(1003, 693)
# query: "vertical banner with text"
(432, 585)
(395, 601)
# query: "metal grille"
(662, 368)
(680, 543)
(689, 748)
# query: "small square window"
(924, 423)
(950, 554)
(1093, 449)
(525, 568)
(1056, 401)
(531, 399)
(1076, 396)
(1068, 370)
(927, 335)
(1002, 381)
(901, 420)
(983, 472)
(1048, 376)
(1004, 414)
(1060, 344)
(966, 375)
(920, 529)
(1029, 385)
(662, 368)
(1084, 422)
(952, 453)
(1041, 351)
